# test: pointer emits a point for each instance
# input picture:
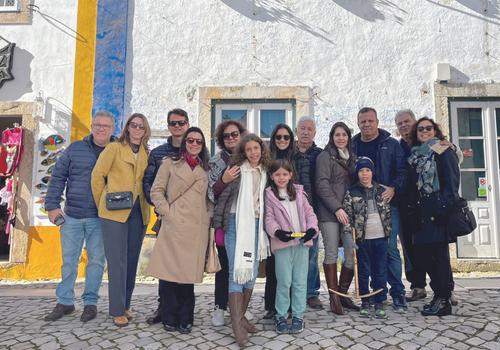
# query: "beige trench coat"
(180, 198)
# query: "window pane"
(497, 112)
(470, 185)
(269, 118)
(235, 114)
(473, 151)
(470, 122)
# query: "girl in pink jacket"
(291, 223)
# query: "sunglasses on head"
(228, 135)
(136, 126)
(177, 122)
(284, 137)
(426, 128)
(192, 141)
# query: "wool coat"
(180, 198)
(119, 170)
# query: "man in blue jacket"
(390, 171)
(178, 123)
(79, 221)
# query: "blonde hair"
(125, 136)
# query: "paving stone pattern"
(475, 324)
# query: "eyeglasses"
(231, 135)
(426, 128)
(284, 137)
(177, 122)
(192, 141)
(101, 126)
(136, 126)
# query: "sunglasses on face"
(192, 141)
(177, 122)
(231, 135)
(426, 128)
(284, 137)
(133, 125)
(101, 126)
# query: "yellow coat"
(124, 172)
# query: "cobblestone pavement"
(475, 324)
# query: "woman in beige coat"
(179, 194)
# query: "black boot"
(441, 307)
(433, 300)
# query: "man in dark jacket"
(178, 123)
(79, 221)
(390, 171)
(305, 165)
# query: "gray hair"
(403, 112)
(105, 114)
(306, 118)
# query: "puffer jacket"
(333, 177)
(73, 172)
(305, 166)
(356, 207)
(390, 167)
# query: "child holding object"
(370, 217)
(291, 223)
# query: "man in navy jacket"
(390, 171)
(80, 222)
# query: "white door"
(476, 129)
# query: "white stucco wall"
(352, 53)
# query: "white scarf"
(244, 255)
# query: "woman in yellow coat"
(120, 168)
(179, 194)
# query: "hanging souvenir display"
(53, 142)
(11, 150)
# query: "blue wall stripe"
(110, 59)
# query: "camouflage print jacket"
(356, 206)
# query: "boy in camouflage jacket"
(370, 217)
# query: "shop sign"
(6, 54)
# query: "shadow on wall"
(21, 70)
(373, 10)
(487, 10)
(275, 11)
(458, 76)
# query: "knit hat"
(364, 162)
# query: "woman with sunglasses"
(118, 173)
(179, 194)
(434, 178)
(281, 146)
(220, 175)
(335, 170)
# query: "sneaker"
(399, 304)
(59, 311)
(281, 325)
(379, 311)
(416, 294)
(218, 317)
(297, 325)
(185, 329)
(89, 313)
(364, 311)
(315, 303)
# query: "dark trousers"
(434, 259)
(222, 279)
(177, 304)
(372, 263)
(270, 288)
(122, 246)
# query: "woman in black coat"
(435, 179)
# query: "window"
(258, 117)
(9, 5)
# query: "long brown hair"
(125, 136)
(290, 188)
(239, 155)
(203, 156)
(437, 130)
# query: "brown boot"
(236, 306)
(346, 275)
(331, 282)
(247, 294)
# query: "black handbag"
(119, 200)
(461, 220)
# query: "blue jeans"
(74, 232)
(313, 281)
(291, 271)
(394, 263)
(230, 241)
(372, 263)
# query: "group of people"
(264, 202)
